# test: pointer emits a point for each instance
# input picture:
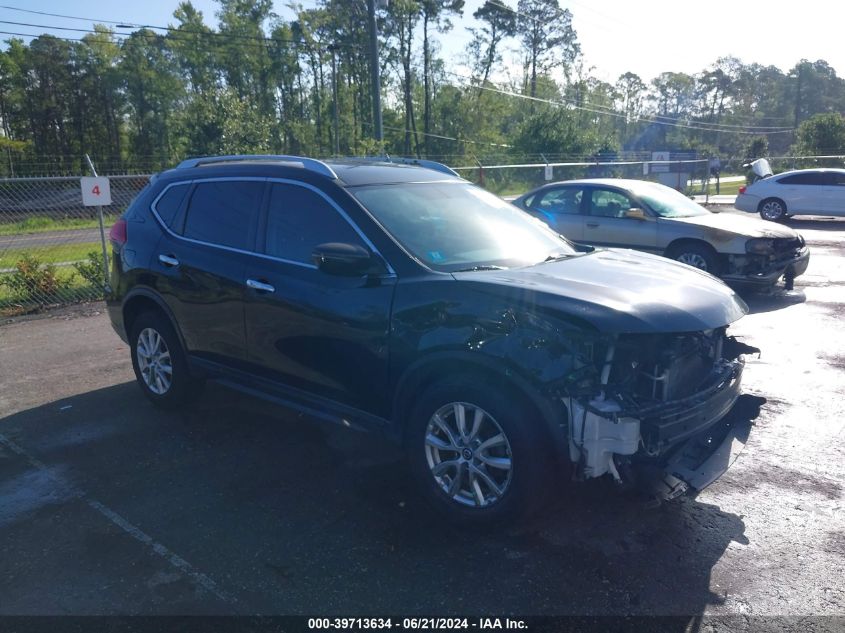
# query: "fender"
(555, 418)
(149, 293)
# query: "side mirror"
(636, 214)
(348, 260)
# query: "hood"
(619, 291)
(738, 224)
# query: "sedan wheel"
(693, 259)
(695, 254)
(772, 210)
(468, 454)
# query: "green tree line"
(256, 82)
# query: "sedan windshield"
(666, 202)
(453, 226)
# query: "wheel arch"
(675, 244)
(143, 300)
(489, 371)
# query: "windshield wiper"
(555, 257)
(473, 269)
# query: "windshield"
(458, 226)
(668, 203)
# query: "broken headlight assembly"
(760, 246)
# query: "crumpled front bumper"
(701, 460)
(791, 265)
(604, 434)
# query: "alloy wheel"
(693, 259)
(468, 454)
(154, 362)
(772, 210)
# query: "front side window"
(667, 202)
(225, 212)
(606, 203)
(451, 226)
(299, 219)
(837, 179)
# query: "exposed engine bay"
(659, 394)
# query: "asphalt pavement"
(109, 506)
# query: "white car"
(798, 192)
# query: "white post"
(102, 233)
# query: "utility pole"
(378, 131)
(333, 49)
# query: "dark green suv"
(396, 297)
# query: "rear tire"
(773, 210)
(477, 453)
(699, 256)
(160, 365)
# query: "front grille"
(649, 369)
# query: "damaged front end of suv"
(636, 353)
(652, 410)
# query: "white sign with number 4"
(96, 192)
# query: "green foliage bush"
(91, 270)
(33, 280)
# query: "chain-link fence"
(50, 248)
(51, 253)
(689, 176)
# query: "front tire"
(699, 256)
(160, 365)
(773, 210)
(476, 453)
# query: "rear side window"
(225, 213)
(565, 200)
(168, 205)
(299, 219)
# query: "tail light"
(117, 234)
(742, 189)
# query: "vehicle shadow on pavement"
(815, 223)
(777, 299)
(292, 517)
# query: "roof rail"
(420, 162)
(311, 164)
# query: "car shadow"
(292, 516)
(816, 223)
(775, 299)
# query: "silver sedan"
(651, 217)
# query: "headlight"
(760, 246)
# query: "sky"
(616, 36)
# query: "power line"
(170, 29)
(148, 34)
(440, 136)
(674, 123)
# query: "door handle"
(592, 225)
(168, 260)
(260, 286)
